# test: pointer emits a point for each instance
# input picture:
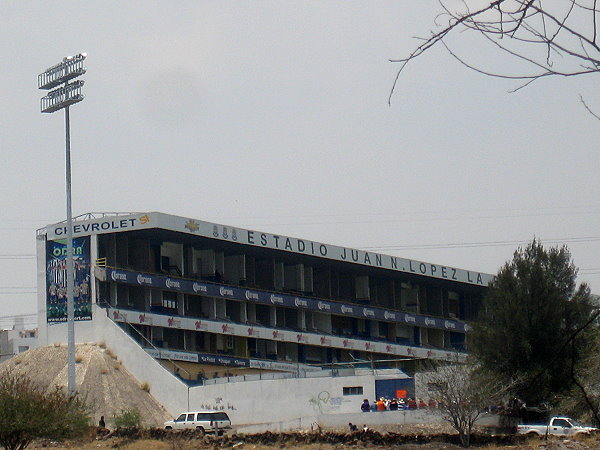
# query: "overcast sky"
(273, 115)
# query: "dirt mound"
(100, 377)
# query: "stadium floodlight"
(61, 98)
(70, 67)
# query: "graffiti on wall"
(324, 402)
(218, 405)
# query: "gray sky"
(273, 115)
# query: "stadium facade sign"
(267, 240)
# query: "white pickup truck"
(558, 426)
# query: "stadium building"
(199, 310)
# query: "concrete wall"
(401, 417)
(169, 390)
(247, 402)
(57, 332)
(283, 403)
(340, 421)
(253, 402)
(12, 340)
(380, 418)
(373, 419)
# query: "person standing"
(365, 407)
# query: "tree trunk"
(465, 439)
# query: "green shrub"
(128, 418)
(29, 411)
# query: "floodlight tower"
(61, 98)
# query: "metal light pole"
(61, 98)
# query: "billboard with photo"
(56, 280)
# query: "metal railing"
(62, 72)
(59, 98)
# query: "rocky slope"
(100, 377)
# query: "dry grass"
(102, 344)
(176, 442)
(145, 386)
(148, 444)
(124, 444)
(78, 358)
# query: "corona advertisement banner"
(56, 280)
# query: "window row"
(268, 273)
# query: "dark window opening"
(353, 390)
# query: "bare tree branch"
(586, 397)
(463, 392)
(566, 30)
(591, 112)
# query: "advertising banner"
(56, 280)
(315, 339)
(289, 301)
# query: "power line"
(17, 290)
(419, 246)
(575, 209)
(28, 319)
(479, 244)
(17, 287)
(448, 214)
(18, 315)
(19, 293)
(411, 217)
(17, 256)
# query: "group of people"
(226, 374)
(395, 404)
(354, 428)
(57, 290)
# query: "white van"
(204, 421)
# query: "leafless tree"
(463, 393)
(549, 37)
(583, 401)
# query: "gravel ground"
(326, 440)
